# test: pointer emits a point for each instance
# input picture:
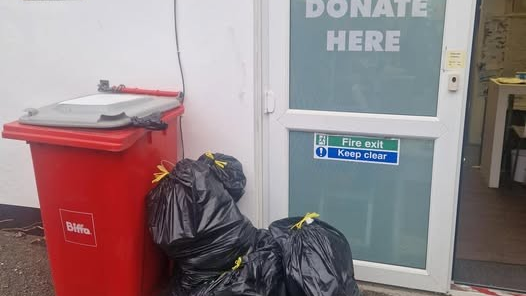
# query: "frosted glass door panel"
(382, 209)
(379, 58)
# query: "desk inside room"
(495, 127)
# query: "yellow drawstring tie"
(163, 171)
(237, 265)
(238, 262)
(308, 216)
(221, 164)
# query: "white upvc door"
(326, 74)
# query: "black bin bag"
(228, 170)
(197, 224)
(259, 273)
(316, 257)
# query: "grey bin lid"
(98, 111)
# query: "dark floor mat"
(491, 274)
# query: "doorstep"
(466, 290)
(369, 289)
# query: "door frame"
(448, 126)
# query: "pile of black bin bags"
(218, 252)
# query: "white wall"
(55, 50)
(488, 9)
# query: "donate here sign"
(365, 40)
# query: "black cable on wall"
(183, 93)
